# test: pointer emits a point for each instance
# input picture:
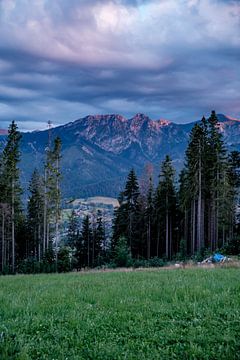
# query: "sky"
(171, 59)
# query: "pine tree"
(196, 170)
(131, 196)
(148, 214)
(99, 238)
(127, 217)
(217, 162)
(120, 219)
(86, 242)
(165, 209)
(57, 194)
(73, 229)
(10, 185)
(52, 194)
(35, 213)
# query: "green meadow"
(158, 314)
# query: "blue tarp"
(218, 257)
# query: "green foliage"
(232, 247)
(156, 262)
(183, 250)
(63, 260)
(49, 261)
(202, 254)
(122, 255)
(29, 266)
(73, 229)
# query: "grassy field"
(165, 314)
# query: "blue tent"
(218, 257)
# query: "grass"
(165, 314)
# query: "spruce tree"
(196, 173)
(148, 215)
(35, 212)
(217, 178)
(165, 209)
(127, 217)
(99, 238)
(10, 184)
(131, 197)
(73, 229)
(86, 242)
(52, 194)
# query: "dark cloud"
(176, 59)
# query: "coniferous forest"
(179, 217)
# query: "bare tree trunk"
(212, 227)
(39, 242)
(158, 240)
(170, 238)
(203, 224)
(3, 240)
(199, 213)
(88, 253)
(13, 226)
(193, 227)
(167, 235)
(45, 211)
(149, 238)
(185, 225)
(57, 209)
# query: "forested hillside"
(182, 216)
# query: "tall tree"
(165, 207)
(131, 197)
(52, 194)
(196, 166)
(35, 213)
(10, 184)
(148, 213)
(217, 163)
(86, 242)
(73, 229)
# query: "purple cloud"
(61, 60)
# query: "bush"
(63, 260)
(232, 247)
(202, 254)
(29, 266)
(49, 262)
(122, 255)
(156, 262)
(137, 263)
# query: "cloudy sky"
(64, 59)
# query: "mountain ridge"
(99, 150)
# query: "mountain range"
(99, 151)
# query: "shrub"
(63, 260)
(122, 255)
(232, 247)
(156, 262)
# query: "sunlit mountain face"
(99, 150)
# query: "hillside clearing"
(182, 314)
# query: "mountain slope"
(98, 151)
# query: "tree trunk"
(149, 238)
(45, 212)
(193, 227)
(167, 235)
(13, 226)
(3, 240)
(199, 212)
